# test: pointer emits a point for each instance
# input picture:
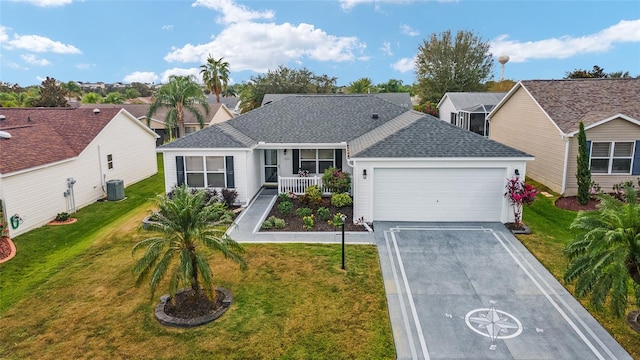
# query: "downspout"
(566, 164)
(102, 175)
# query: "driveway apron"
(473, 291)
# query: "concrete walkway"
(246, 228)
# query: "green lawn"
(550, 234)
(69, 293)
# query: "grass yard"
(69, 293)
(550, 226)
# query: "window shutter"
(231, 181)
(296, 161)
(589, 149)
(635, 167)
(180, 170)
(338, 158)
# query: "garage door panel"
(438, 194)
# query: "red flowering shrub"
(519, 193)
(336, 180)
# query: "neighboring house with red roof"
(542, 117)
(56, 160)
(217, 113)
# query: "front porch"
(298, 184)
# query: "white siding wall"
(446, 109)
(37, 195)
(363, 191)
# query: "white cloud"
(234, 13)
(408, 30)
(181, 72)
(567, 46)
(147, 77)
(33, 60)
(36, 43)
(167, 27)
(270, 45)
(4, 37)
(46, 3)
(349, 4)
(17, 66)
(404, 65)
(84, 66)
(386, 48)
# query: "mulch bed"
(294, 222)
(7, 250)
(571, 203)
(189, 306)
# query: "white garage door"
(438, 194)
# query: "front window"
(316, 161)
(189, 130)
(205, 171)
(611, 157)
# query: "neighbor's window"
(189, 130)
(611, 157)
(110, 161)
(316, 160)
(205, 171)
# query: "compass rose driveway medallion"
(494, 324)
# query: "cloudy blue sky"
(147, 41)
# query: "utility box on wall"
(115, 190)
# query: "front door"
(270, 166)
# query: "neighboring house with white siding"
(469, 110)
(56, 160)
(404, 165)
(542, 117)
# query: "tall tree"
(215, 75)
(583, 173)
(179, 94)
(596, 73)
(113, 97)
(92, 98)
(605, 254)
(131, 93)
(361, 86)
(452, 63)
(186, 222)
(72, 89)
(51, 94)
(284, 80)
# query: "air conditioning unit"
(115, 190)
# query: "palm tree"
(360, 86)
(606, 252)
(179, 94)
(186, 221)
(215, 75)
(71, 88)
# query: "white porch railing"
(298, 185)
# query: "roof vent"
(5, 135)
(374, 115)
(96, 111)
(2, 117)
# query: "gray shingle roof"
(210, 137)
(430, 137)
(316, 118)
(462, 100)
(588, 100)
(402, 99)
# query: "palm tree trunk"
(195, 285)
(634, 270)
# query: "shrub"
(307, 222)
(210, 196)
(278, 223)
(620, 189)
(336, 180)
(302, 212)
(341, 200)
(267, 224)
(285, 207)
(337, 220)
(323, 213)
(229, 196)
(519, 194)
(284, 197)
(63, 216)
(313, 195)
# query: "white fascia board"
(479, 159)
(263, 145)
(604, 121)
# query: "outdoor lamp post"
(343, 217)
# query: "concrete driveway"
(472, 291)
